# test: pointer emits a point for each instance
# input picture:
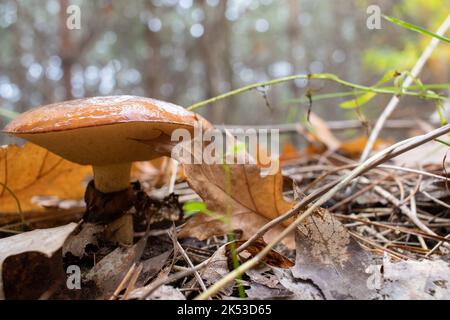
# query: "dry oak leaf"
(34, 171)
(321, 139)
(254, 200)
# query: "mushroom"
(108, 133)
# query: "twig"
(123, 283)
(413, 192)
(386, 194)
(393, 228)
(189, 262)
(350, 166)
(177, 276)
(442, 203)
(401, 189)
(440, 243)
(414, 212)
(373, 232)
(357, 194)
(133, 280)
(392, 252)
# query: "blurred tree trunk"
(154, 74)
(293, 33)
(65, 48)
(19, 77)
(215, 55)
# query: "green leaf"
(415, 28)
(443, 142)
(358, 102)
(388, 76)
(363, 99)
(8, 113)
(440, 112)
(190, 208)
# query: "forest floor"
(384, 236)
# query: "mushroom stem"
(112, 178)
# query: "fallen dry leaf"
(254, 200)
(413, 280)
(259, 291)
(263, 284)
(263, 276)
(329, 257)
(217, 268)
(157, 171)
(33, 171)
(429, 153)
(151, 267)
(353, 148)
(289, 152)
(320, 132)
(141, 293)
(109, 272)
(330, 264)
(321, 139)
(273, 258)
(76, 243)
(166, 292)
(245, 192)
(301, 290)
(31, 262)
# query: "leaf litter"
(365, 248)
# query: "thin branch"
(375, 245)
(191, 265)
(440, 243)
(404, 208)
(393, 228)
(132, 283)
(316, 76)
(123, 283)
(442, 203)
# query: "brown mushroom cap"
(103, 130)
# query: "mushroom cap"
(104, 130)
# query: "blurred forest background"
(184, 51)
